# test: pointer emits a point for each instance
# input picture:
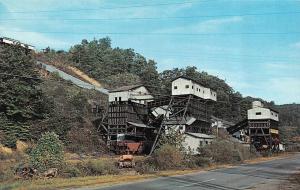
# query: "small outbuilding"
(135, 93)
(193, 141)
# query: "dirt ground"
(293, 183)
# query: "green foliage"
(173, 137)
(289, 114)
(71, 171)
(71, 116)
(112, 65)
(48, 152)
(195, 161)
(146, 166)
(6, 174)
(10, 140)
(122, 79)
(21, 99)
(168, 157)
(99, 167)
(225, 151)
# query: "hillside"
(115, 67)
(52, 104)
(290, 122)
(33, 101)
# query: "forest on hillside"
(32, 103)
(115, 67)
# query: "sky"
(254, 45)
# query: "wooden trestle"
(136, 120)
(259, 132)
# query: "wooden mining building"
(136, 119)
(12, 42)
(260, 129)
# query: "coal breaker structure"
(136, 120)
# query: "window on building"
(206, 142)
(192, 87)
(187, 86)
(120, 99)
(175, 87)
(116, 99)
(258, 113)
(181, 128)
(201, 143)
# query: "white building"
(258, 112)
(8, 41)
(184, 86)
(193, 141)
(135, 93)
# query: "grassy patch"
(60, 183)
(57, 183)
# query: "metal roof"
(140, 125)
(127, 88)
(201, 135)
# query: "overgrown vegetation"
(225, 151)
(22, 101)
(72, 116)
(48, 153)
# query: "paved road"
(246, 176)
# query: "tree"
(172, 137)
(21, 99)
(123, 79)
(48, 152)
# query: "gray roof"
(213, 118)
(139, 125)
(15, 41)
(126, 88)
(201, 135)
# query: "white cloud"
(34, 38)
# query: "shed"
(193, 141)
